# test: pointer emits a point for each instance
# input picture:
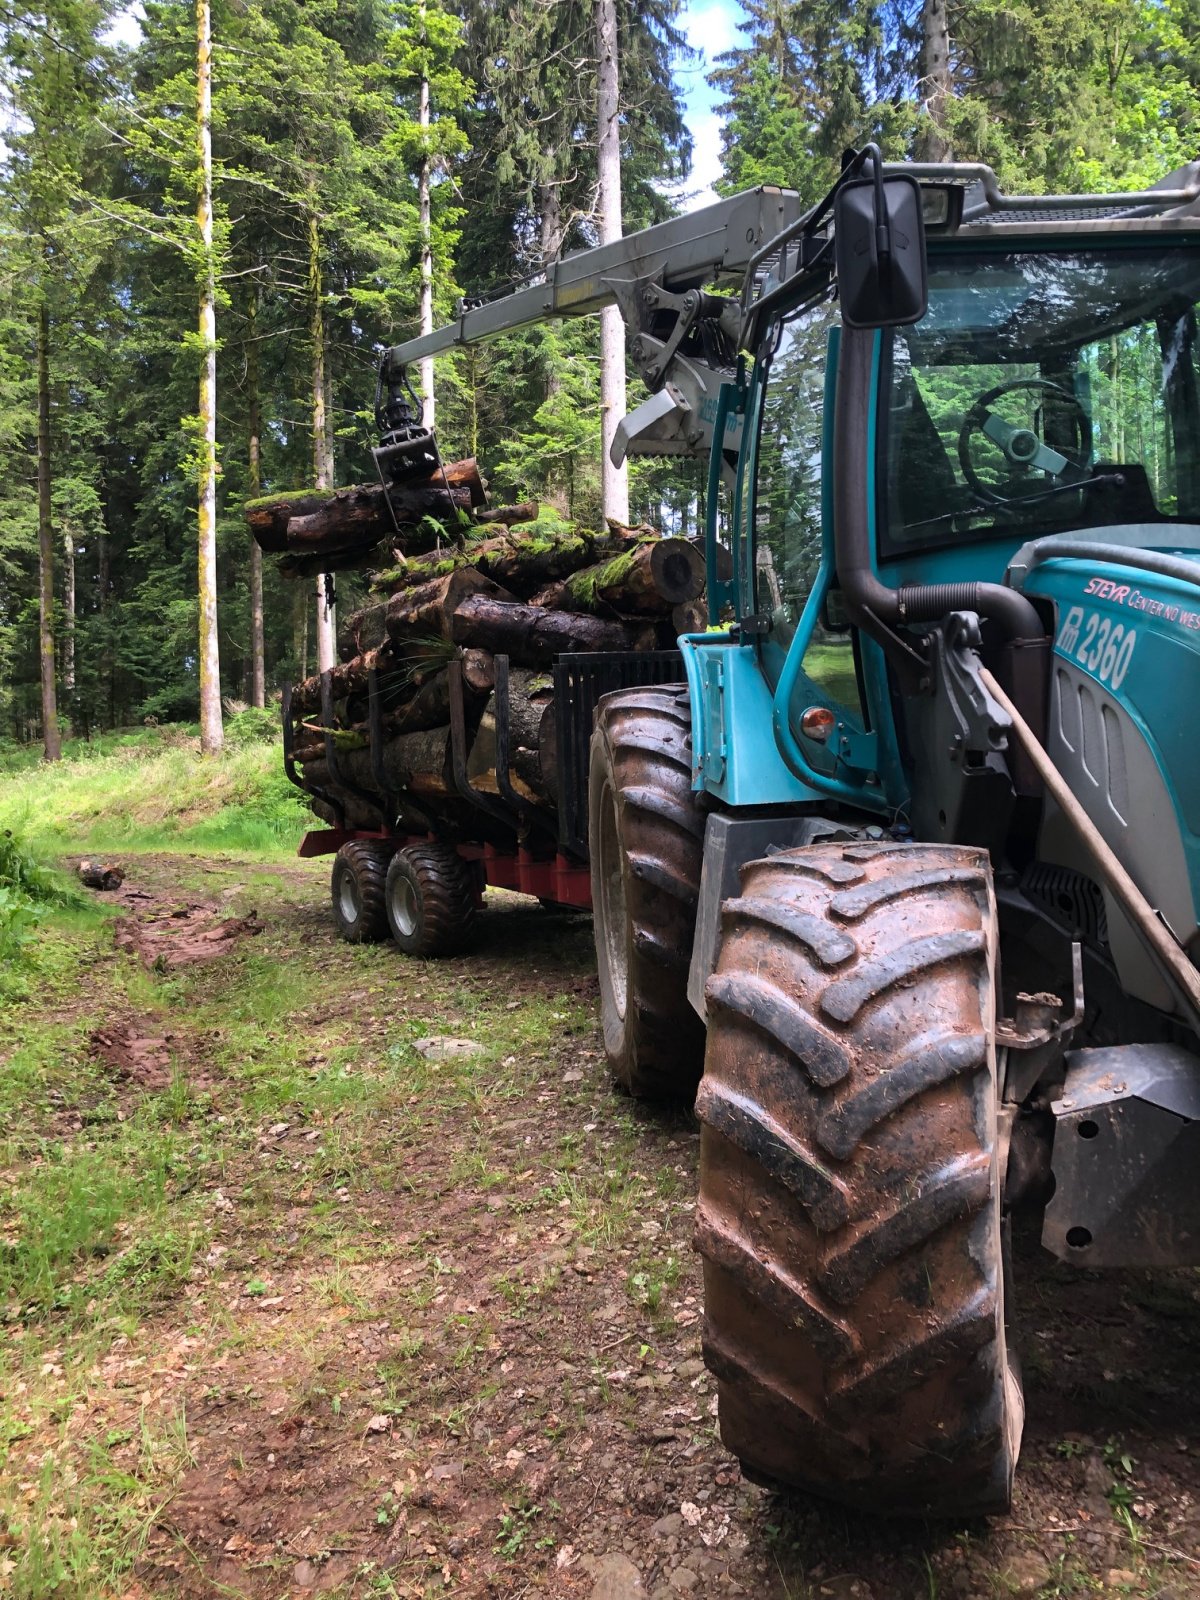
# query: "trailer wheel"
(430, 900)
(646, 839)
(849, 1215)
(356, 886)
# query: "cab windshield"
(1043, 392)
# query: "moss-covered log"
(316, 521)
(647, 580)
(522, 561)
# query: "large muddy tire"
(646, 841)
(430, 900)
(849, 1212)
(356, 886)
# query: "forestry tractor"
(900, 877)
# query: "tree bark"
(429, 608)
(211, 733)
(258, 674)
(533, 636)
(937, 82)
(51, 740)
(530, 707)
(518, 562)
(68, 631)
(425, 223)
(357, 517)
(647, 580)
(322, 464)
(614, 480)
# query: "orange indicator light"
(818, 722)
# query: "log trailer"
(899, 877)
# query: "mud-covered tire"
(646, 842)
(430, 900)
(849, 1214)
(356, 887)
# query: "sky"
(711, 27)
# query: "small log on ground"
(646, 580)
(429, 608)
(533, 636)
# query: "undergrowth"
(149, 788)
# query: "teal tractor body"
(901, 885)
(955, 541)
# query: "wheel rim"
(404, 906)
(613, 914)
(349, 900)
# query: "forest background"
(356, 144)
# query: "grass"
(150, 789)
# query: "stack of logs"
(533, 592)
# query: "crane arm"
(683, 337)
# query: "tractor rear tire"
(849, 1215)
(430, 900)
(356, 885)
(646, 839)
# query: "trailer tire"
(849, 1215)
(430, 900)
(646, 838)
(356, 886)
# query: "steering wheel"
(1021, 447)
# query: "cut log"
(527, 511)
(530, 703)
(416, 763)
(647, 580)
(479, 671)
(429, 608)
(344, 559)
(691, 616)
(363, 630)
(533, 636)
(313, 520)
(522, 562)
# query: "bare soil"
(451, 1344)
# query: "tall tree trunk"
(211, 733)
(258, 687)
(936, 82)
(50, 735)
(614, 480)
(104, 585)
(68, 629)
(322, 453)
(424, 117)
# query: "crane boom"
(683, 337)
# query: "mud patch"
(164, 938)
(143, 1061)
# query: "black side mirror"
(879, 247)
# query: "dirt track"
(442, 1334)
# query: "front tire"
(849, 1214)
(646, 843)
(356, 886)
(430, 900)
